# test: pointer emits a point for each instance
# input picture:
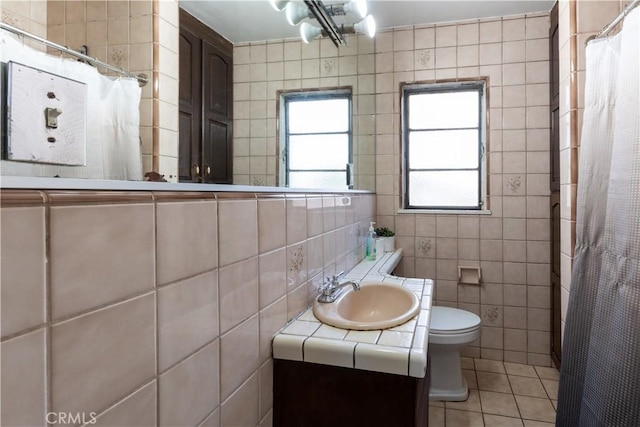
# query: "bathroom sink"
(374, 306)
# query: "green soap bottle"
(371, 243)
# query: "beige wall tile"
(238, 223)
(241, 408)
(22, 269)
(189, 392)
(187, 239)
(187, 317)
(272, 319)
(238, 357)
(24, 381)
(92, 349)
(273, 276)
(138, 409)
(238, 285)
(99, 254)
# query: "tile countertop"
(400, 350)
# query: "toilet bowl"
(450, 330)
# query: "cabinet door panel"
(190, 108)
(216, 152)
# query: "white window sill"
(444, 211)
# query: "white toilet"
(450, 330)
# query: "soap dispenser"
(371, 243)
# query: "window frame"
(314, 95)
(445, 87)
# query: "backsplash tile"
(238, 230)
(187, 239)
(189, 391)
(187, 317)
(24, 380)
(138, 409)
(23, 277)
(94, 349)
(238, 356)
(94, 265)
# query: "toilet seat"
(452, 321)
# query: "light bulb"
(366, 26)
(296, 12)
(278, 5)
(308, 32)
(357, 7)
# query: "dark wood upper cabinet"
(206, 104)
(554, 87)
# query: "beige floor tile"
(555, 404)
(467, 363)
(500, 421)
(525, 386)
(471, 404)
(520, 369)
(533, 408)
(551, 386)
(436, 404)
(547, 373)
(436, 417)
(531, 423)
(456, 418)
(470, 375)
(498, 404)
(489, 365)
(491, 381)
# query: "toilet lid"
(447, 320)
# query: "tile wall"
(263, 69)
(159, 308)
(578, 20)
(511, 245)
(28, 15)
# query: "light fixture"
(278, 5)
(296, 12)
(308, 32)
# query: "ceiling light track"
(317, 9)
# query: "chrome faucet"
(332, 288)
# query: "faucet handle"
(338, 276)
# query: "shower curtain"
(113, 118)
(600, 373)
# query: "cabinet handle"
(208, 170)
(196, 169)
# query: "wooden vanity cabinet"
(312, 395)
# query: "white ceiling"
(255, 20)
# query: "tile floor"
(501, 394)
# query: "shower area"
(600, 369)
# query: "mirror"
(121, 33)
(265, 73)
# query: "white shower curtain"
(600, 373)
(113, 118)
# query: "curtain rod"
(617, 20)
(143, 79)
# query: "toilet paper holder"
(469, 275)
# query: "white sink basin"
(374, 306)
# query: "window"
(443, 145)
(316, 130)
